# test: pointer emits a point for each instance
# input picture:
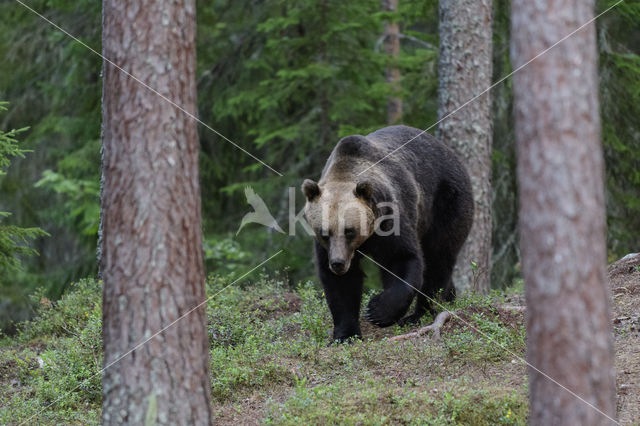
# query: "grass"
(271, 364)
(381, 402)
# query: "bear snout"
(338, 266)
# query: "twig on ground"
(442, 318)
(435, 327)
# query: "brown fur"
(367, 183)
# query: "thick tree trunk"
(151, 260)
(391, 45)
(562, 216)
(464, 72)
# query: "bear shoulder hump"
(354, 146)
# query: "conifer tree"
(465, 64)
(562, 215)
(156, 352)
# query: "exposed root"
(434, 327)
(445, 316)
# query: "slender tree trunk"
(562, 216)
(391, 44)
(465, 71)
(151, 257)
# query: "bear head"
(342, 216)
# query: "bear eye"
(350, 233)
(323, 235)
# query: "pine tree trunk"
(464, 72)
(562, 215)
(151, 258)
(391, 45)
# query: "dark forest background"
(285, 80)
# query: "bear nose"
(337, 265)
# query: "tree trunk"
(562, 216)
(465, 71)
(151, 257)
(391, 45)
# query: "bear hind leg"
(421, 308)
(437, 283)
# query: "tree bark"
(151, 257)
(464, 69)
(391, 45)
(562, 216)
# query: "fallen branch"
(435, 327)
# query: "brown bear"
(410, 212)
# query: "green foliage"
(65, 317)
(485, 338)
(380, 403)
(53, 84)
(224, 255)
(8, 144)
(269, 345)
(82, 199)
(55, 359)
(284, 80)
(14, 240)
(246, 327)
(620, 107)
(313, 318)
(72, 368)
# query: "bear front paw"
(382, 313)
(346, 333)
(345, 340)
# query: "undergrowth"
(270, 344)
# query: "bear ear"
(364, 190)
(310, 189)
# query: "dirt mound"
(627, 265)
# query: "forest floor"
(624, 278)
(270, 362)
